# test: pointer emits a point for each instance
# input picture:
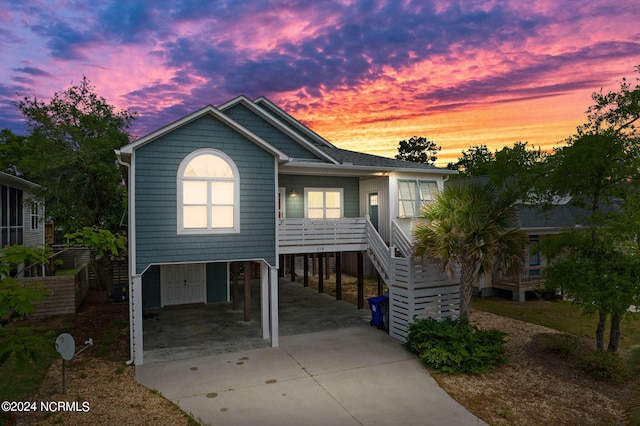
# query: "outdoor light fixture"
(293, 193)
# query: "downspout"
(131, 345)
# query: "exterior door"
(183, 283)
(373, 209)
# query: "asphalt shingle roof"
(362, 159)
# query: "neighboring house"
(21, 213)
(538, 223)
(246, 182)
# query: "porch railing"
(318, 235)
(530, 276)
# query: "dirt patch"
(100, 388)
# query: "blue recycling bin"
(377, 314)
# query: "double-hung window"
(208, 193)
(323, 203)
(412, 194)
(35, 217)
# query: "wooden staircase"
(378, 252)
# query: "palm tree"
(471, 225)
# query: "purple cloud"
(205, 51)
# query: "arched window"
(208, 193)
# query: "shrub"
(599, 365)
(633, 359)
(604, 365)
(566, 346)
(633, 408)
(453, 346)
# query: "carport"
(197, 330)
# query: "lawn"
(25, 379)
(562, 316)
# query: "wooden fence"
(68, 293)
(420, 290)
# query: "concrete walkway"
(351, 376)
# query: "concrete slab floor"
(184, 332)
(351, 376)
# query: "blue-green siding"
(269, 133)
(151, 297)
(295, 205)
(217, 282)
(156, 167)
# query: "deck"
(322, 235)
(529, 279)
(416, 288)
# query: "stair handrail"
(400, 240)
(379, 248)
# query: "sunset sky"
(363, 74)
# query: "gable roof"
(210, 110)
(288, 119)
(329, 156)
(556, 217)
(369, 160)
(253, 107)
(345, 157)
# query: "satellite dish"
(66, 346)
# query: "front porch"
(530, 279)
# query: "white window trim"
(236, 195)
(419, 202)
(34, 215)
(324, 190)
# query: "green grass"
(562, 316)
(25, 380)
(65, 272)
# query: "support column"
(327, 265)
(273, 302)
(380, 286)
(313, 264)
(292, 259)
(320, 273)
(339, 276)
(247, 291)
(360, 280)
(264, 298)
(135, 325)
(306, 270)
(235, 291)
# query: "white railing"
(400, 240)
(317, 235)
(530, 274)
(379, 249)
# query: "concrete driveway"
(350, 376)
